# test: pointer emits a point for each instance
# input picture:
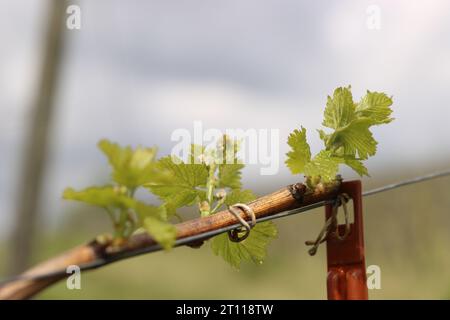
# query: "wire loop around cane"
(234, 235)
(331, 223)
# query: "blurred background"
(138, 70)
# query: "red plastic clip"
(346, 261)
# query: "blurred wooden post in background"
(36, 141)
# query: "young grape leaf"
(180, 188)
(189, 175)
(376, 106)
(251, 249)
(105, 197)
(323, 165)
(351, 140)
(340, 109)
(300, 153)
(254, 248)
(144, 210)
(163, 232)
(153, 220)
(355, 138)
(230, 175)
(357, 166)
(131, 168)
(325, 137)
(175, 197)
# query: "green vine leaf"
(349, 143)
(357, 165)
(153, 220)
(230, 175)
(119, 205)
(181, 187)
(340, 109)
(131, 167)
(376, 106)
(355, 139)
(105, 197)
(164, 233)
(300, 153)
(253, 249)
(323, 165)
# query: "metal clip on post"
(346, 278)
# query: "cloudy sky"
(138, 70)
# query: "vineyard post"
(346, 279)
